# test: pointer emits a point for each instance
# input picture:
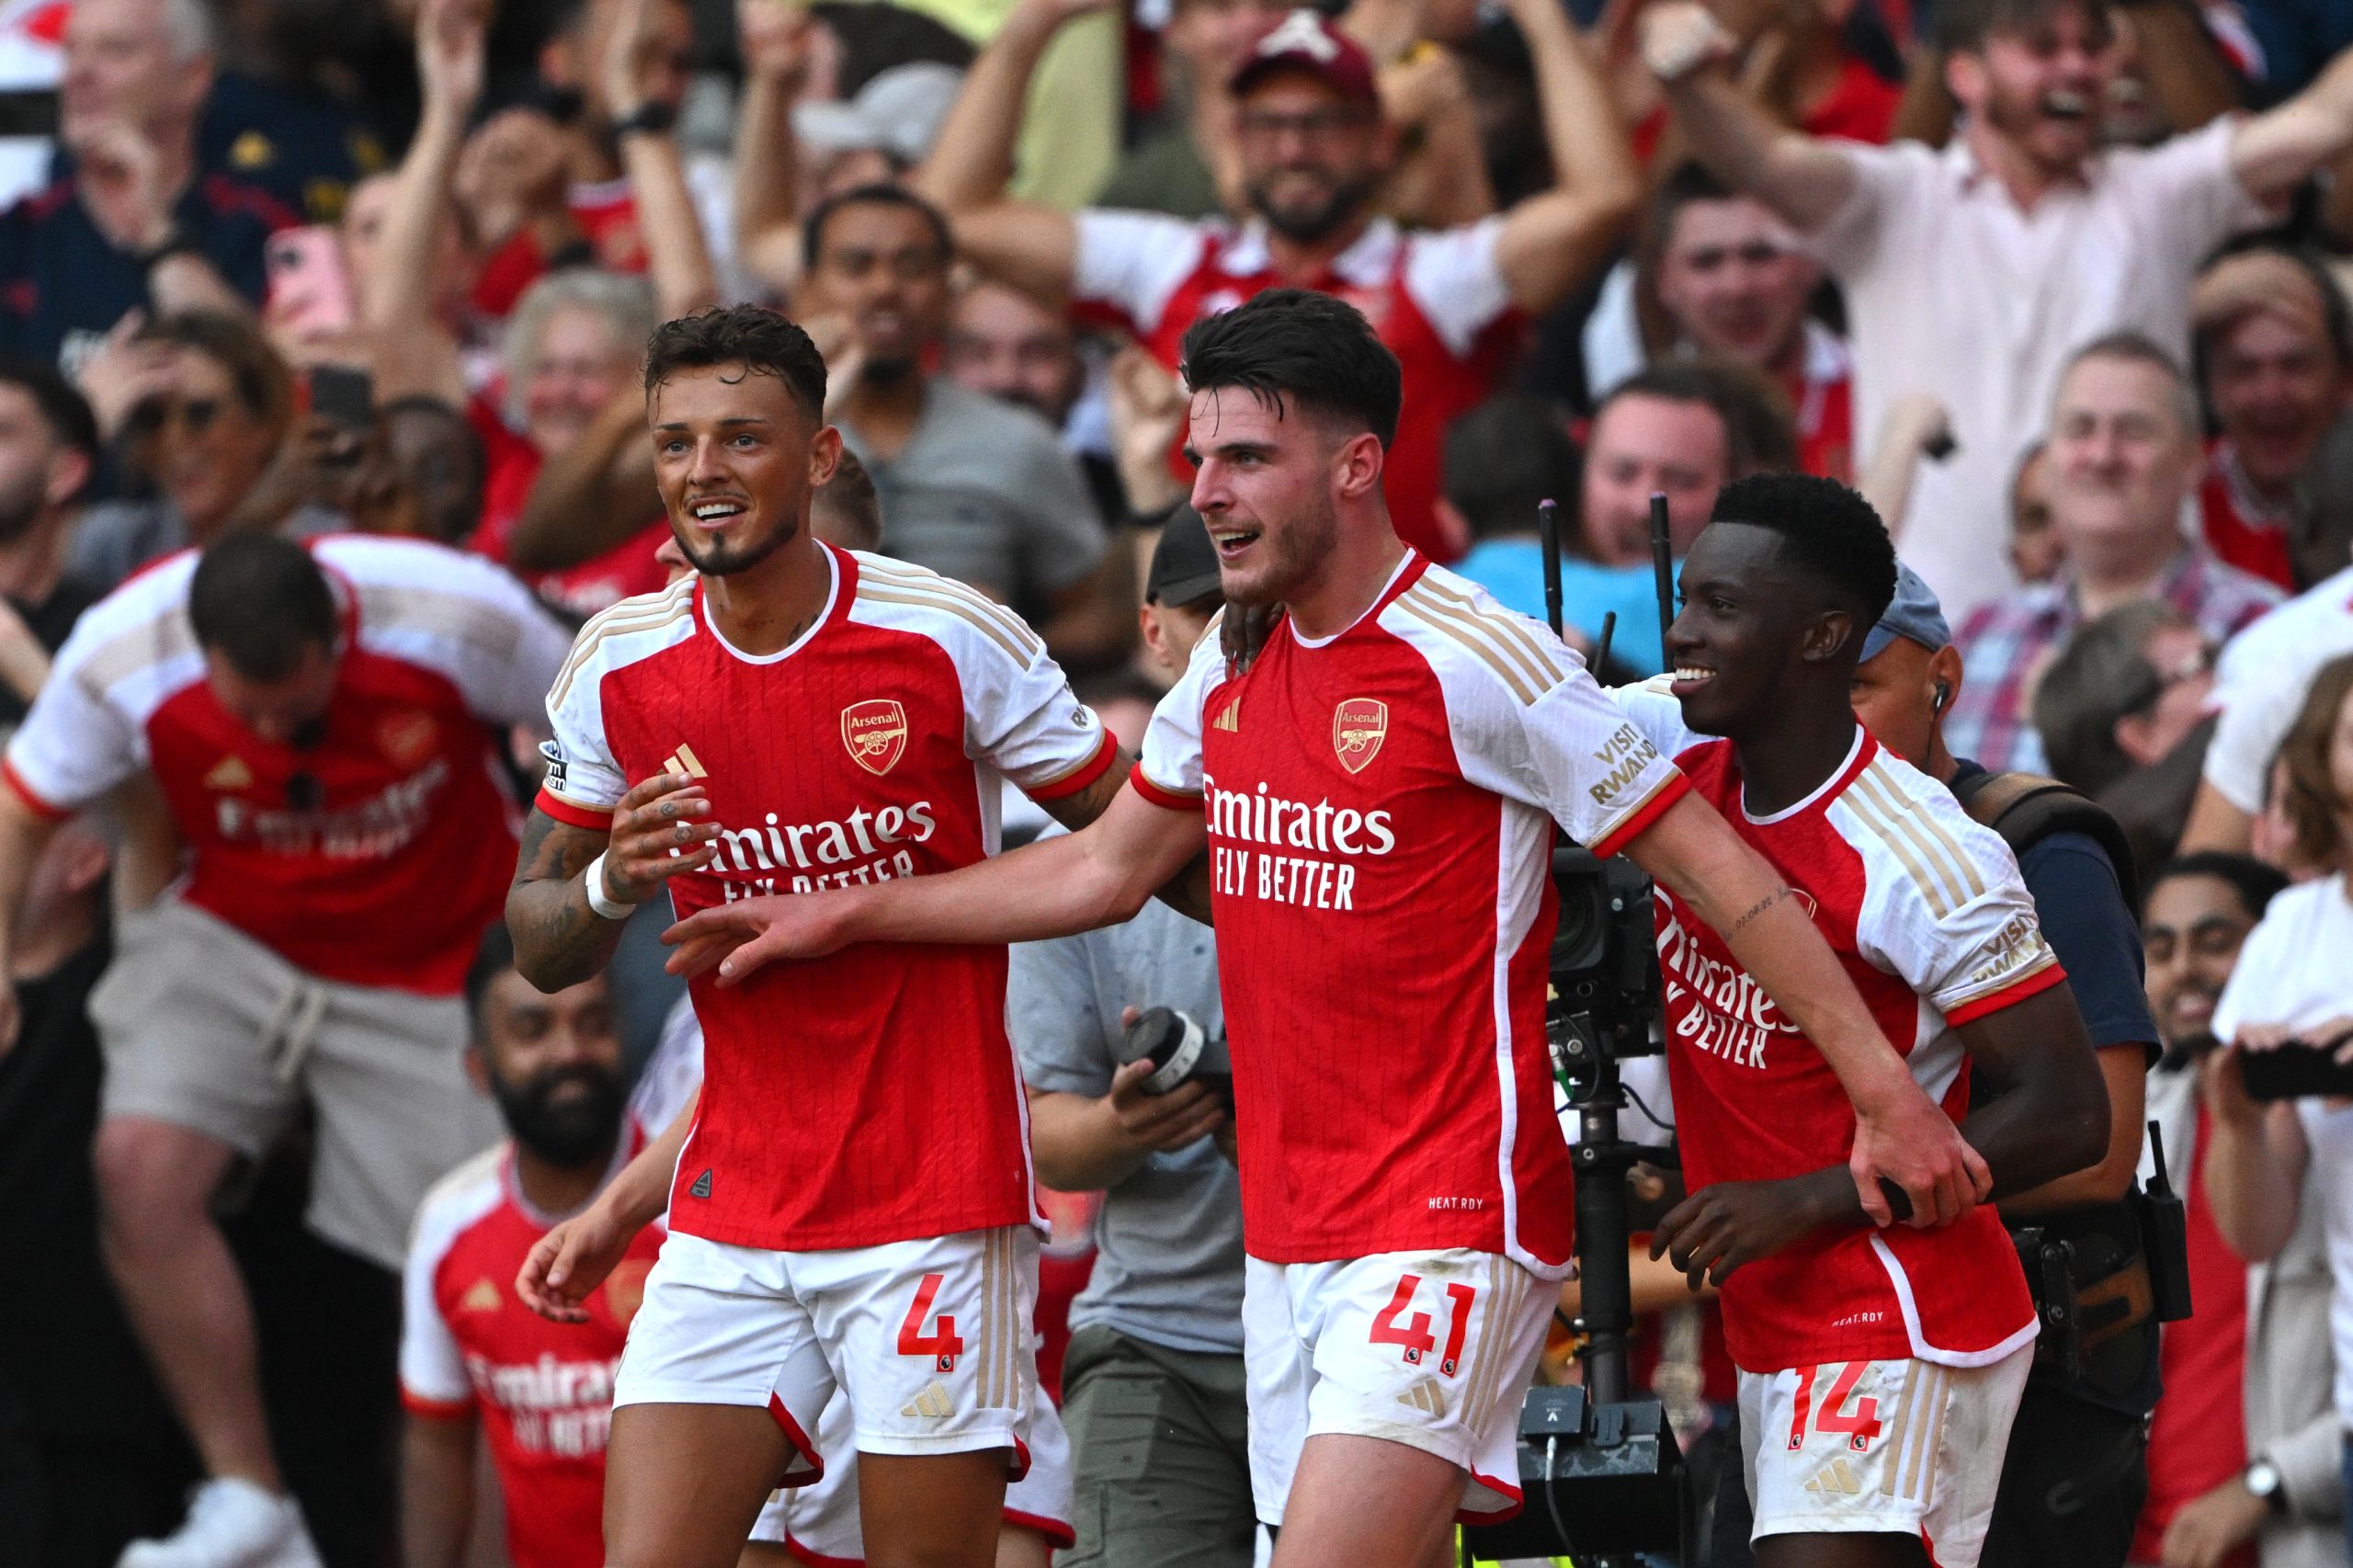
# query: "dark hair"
(849, 498)
(1828, 530)
(2336, 314)
(1504, 456)
(1685, 182)
(1962, 26)
(2311, 805)
(263, 383)
(444, 446)
(259, 600)
(62, 407)
(2256, 883)
(812, 228)
(494, 957)
(2099, 677)
(1760, 430)
(765, 342)
(1308, 349)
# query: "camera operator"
(1153, 1384)
(2291, 985)
(2076, 1469)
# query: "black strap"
(2026, 809)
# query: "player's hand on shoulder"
(565, 1265)
(740, 937)
(1914, 1145)
(1720, 1228)
(658, 831)
(1242, 633)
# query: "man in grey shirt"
(1153, 1382)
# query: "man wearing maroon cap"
(1313, 148)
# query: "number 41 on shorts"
(1392, 1326)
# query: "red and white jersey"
(1928, 917)
(1379, 810)
(373, 857)
(870, 1096)
(1439, 300)
(1822, 394)
(2239, 526)
(543, 1391)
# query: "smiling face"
(1743, 630)
(1312, 157)
(1639, 446)
(1003, 342)
(2191, 933)
(880, 265)
(2119, 461)
(1735, 282)
(737, 457)
(555, 1065)
(2276, 387)
(1266, 482)
(2041, 87)
(577, 367)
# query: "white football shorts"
(928, 1341)
(1903, 1448)
(1430, 1349)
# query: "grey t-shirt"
(984, 492)
(1168, 1266)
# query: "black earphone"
(1943, 694)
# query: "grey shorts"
(206, 1028)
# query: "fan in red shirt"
(1880, 1369)
(1377, 792)
(1313, 148)
(795, 717)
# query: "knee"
(152, 1178)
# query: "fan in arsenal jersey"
(853, 1208)
(1377, 791)
(1879, 1370)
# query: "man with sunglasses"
(1313, 149)
(318, 722)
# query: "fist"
(1680, 37)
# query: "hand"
(1147, 407)
(2222, 1084)
(1720, 1228)
(1916, 422)
(122, 373)
(1241, 635)
(449, 55)
(1914, 1144)
(123, 174)
(1162, 1123)
(774, 37)
(656, 836)
(632, 49)
(515, 168)
(834, 337)
(2208, 1529)
(1680, 37)
(567, 1264)
(1427, 83)
(743, 936)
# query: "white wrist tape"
(598, 901)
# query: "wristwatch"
(2263, 1483)
(652, 118)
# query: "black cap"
(1184, 563)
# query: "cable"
(1643, 1105)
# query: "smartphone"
(2296, 1071)
(342, 395)
(309, 289)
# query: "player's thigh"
(1870, 1551)
(933, 1510)
(1161, 1468)
(684, 1482)
(1356, 1500)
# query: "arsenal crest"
(876, 733)
(405, 737)
(1358, 727)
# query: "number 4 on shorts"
(913, 1341)
(1392, 1327)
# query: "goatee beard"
(570, 1133)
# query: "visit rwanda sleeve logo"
(875, 731)
(1358, 726)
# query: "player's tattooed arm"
(1188, 893)
(558, 940)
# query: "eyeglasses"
(1316, 125)
(196, 414)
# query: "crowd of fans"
(2059, 285)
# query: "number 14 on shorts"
(1394, 1327)
(1858, 1426)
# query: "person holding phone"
(2291, 988)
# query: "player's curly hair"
(765, 342)
(1294, 346)
(1828, 530)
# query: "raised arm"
(591, 496)
(676, 253)
(1801, 178)
(1097, 876)
(965, 175)
(1552, 243)
(2277, 150)
(2256, 1156)
(399, 296)
(2050, 1119)
(774, 39)
(1900, 1134)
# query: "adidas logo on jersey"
(1230, 721)
(933, 1403)
(701, 1187)
(684, 760)
(229, 773)
(1837, 1476)
(482, 1296)
(1425, 1396)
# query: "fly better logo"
(875, 731)
(1358, 726)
